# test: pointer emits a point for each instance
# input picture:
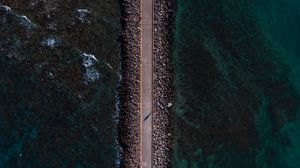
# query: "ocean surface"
(59, 64)
(237, 84)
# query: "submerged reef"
(58, 77)
(237, 84)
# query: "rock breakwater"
(162, 83)
(129, 89)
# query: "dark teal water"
(59, 64)
(237, 84)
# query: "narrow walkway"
(147, 59)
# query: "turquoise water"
(237, 84)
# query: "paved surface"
(147, 59)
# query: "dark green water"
(58, 75)
(237, 84)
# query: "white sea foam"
(83, 15)
(91, 73)
(89, 60)
(22, 19)
(5, 7)
(51, 42)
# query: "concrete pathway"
(147, 60)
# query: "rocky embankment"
(130, 84)
(162, 84)
(129, 91)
